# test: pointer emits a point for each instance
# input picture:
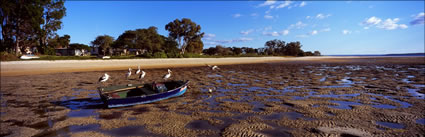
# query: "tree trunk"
(17, 46)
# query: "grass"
(11, 57)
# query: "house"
(71, 52)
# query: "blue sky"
(332, 27)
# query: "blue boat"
(133, 94)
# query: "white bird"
(128, 73)
(210, 90)
(104, 78)
(138, 69)
(142, 75)
(166, 76)
(213, 67)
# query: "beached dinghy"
(133, 94)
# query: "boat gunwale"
(180, 87)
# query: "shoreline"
(18, 68)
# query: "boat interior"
(125, 91)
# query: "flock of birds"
(105, 76)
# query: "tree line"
(184, 37)
(34, 24)
(272, 48)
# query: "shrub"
(159, 55)
(5, 56)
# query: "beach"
(254, 96)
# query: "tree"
(23, 23)
(20, 21)
(104, 42)
(58, 42)
(54, 11)
(293, 49)
(275, 47)
(195, 46)
(147, 39)
(79, 46)
(236, 50)
(184, 31)
(170, 45)
(316, 53)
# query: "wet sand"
(302, 97)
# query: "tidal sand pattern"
(340, 97)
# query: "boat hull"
(130, 101)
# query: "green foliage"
(160, 55)
(195, 46)
(104, 42)
(184, 31)
(317, 53)
(29, 23)
(59, 42)
(147, 39)
(79, 46)
(7, 56)
(49, 51)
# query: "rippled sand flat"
(345, 97)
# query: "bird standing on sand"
(128, 73)
(166, 76)
(142, 75)
(213, 67)
(104, 78)
(138, 69)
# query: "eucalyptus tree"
(53, 12)
(104, 42)
(20, 21)
(183, 31)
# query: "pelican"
(166, 76)
(213, 67)
(142, 75)
(138, 69)
(128, 73)
(210, 90)
(104, 78)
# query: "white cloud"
(314, 32)
(325, 30)
(268, 28)
(284, 4)
(345, 32)
(243, 39)
(267, 3)
(307, 17)
(275, 33)
(209, 36)
(388, 24)
(247, 32)
(322, 16)
(302, 4)
(237, 15)
(403, 26)
(301, 36)
(268, 17)
(419, 19)
(297, 25)
(285, 32)
(372, 21)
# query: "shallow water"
(245, 95)
(390, 125)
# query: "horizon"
(333, 28)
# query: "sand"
(16, 68)
(355, 96)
